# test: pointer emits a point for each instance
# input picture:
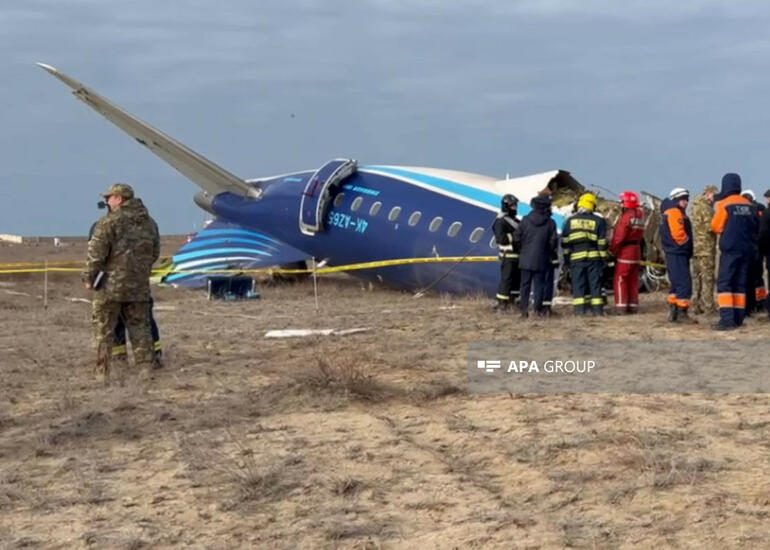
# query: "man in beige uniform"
(704, 257)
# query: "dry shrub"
(435, 389)
(135, 543)
(7, 305)
(339, 529)
(346, 377)
(91, 423)
(251, 477)
(664, 468)
(68, 403)
(345, 485)
(89, 489)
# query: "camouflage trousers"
(703, 278)
(136, 317)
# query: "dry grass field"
(364, 441)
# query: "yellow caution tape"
(40, 269)
(34, 264)
(320, 271)
(278, 271)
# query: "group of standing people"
(528, 251)
(739, 222)
(529, 255)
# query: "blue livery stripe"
(461, 189)
(231, 260)
(195, 243)
(178, 276)
(479, 195)
(223, 232)
(216, 251)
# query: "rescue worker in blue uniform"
(537, 239)
(584, 246)
(677, 240)
(737, 223)
(504, 228)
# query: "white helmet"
(749, 194)
(679, 193)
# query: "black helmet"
(508, 202)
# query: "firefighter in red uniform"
(626, 247)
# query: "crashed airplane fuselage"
(344, 213)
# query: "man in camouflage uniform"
(124, 246)
(704, 260)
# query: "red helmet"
(630, 199)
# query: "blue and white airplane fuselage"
(383, 213)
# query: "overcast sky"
(639, 95)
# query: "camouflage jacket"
(124, 246)
(704, 239)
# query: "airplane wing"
(211, 177)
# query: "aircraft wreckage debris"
(304, 332)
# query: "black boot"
(683, 317)
(673, 313)
(501, 306)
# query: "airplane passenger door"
(315, 196)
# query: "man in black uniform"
(550, 274)
(537, 239)
(504, 228)
(756, 293)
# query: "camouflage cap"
(120, 189)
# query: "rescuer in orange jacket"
(737, 222)
(626, 247)
(676, 238)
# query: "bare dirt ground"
(363, 441)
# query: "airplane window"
(493, 242)
(454, 229)
(435, 224)
(338, 199)
(357, 202)
(394, 213)
(414, 218)
(375, 208)
(476, 235)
